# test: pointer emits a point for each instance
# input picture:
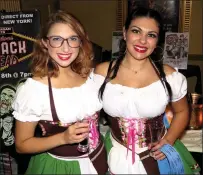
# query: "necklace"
(134, 71)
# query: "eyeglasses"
(57, 41)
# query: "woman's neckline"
(129, 87)
(46, 85)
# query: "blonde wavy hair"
(42, 65)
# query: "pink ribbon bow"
(135, 129)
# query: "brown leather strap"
(53, 109)
(150, 164)
(99, 159)
(93, 155)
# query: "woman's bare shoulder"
(102, 68)
(168, 69)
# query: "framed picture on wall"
(176, 49)
(169, 10)
(117, 36)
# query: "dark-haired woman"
(60, 93)
(135, 90)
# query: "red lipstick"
(140, 49)
(64, 57)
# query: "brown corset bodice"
(154, 130)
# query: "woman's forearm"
(178, 125)
(36, 145)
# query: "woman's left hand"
(155, 149)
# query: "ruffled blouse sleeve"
(26, 103)
(97, 79)
(178, 84)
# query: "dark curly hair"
(158, 65)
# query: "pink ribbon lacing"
(135, 129)
(93, 130)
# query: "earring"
(159, 51)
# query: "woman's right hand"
(76, 133)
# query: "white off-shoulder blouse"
(32, 101)
(149, 101)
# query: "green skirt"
(46, 164)
(188, 160)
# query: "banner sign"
(17, 35)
